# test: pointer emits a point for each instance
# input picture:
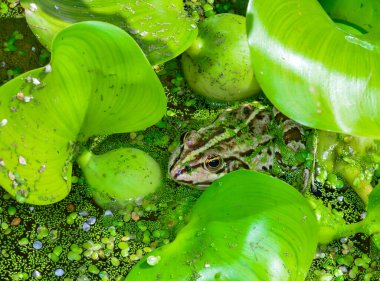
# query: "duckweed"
(113, 242)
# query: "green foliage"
(9, 46)
(245, 226)
(301, 75)
(217, 65)
(98, 82)
(161, 28)
(119, 177)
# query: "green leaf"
(161, 27)
(98, 82)
(218, 65)
(323, 74)
(372, 220)
(245, 226)
(120, 176)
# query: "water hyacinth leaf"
(98, 82)
(161, 27)
(323, 74)
(218, 65)
(245, 226)
(372, 219)
(121, 176)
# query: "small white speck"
(363, 215)
(153, 260)
(144, 33)
(42, 169)
(36, 81)
(207, 265)
(33, 7)
(21, 160)
(56, 7)
(91, 220)
(2, 163)
(343, 240)
(83, 213)
(3, 122)
(108, 213)
(36, 274)
(86, 226)
(33, 49)
(48, 68)
(340, 198)
(37, 245)
(28, 98)
(11, 176)
(31, 208)
(194, 26)
(59, 272)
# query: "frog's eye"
(213, 163)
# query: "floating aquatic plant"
(251, 226)
(218, 65)
(119, 176)
(245, 226)
(98, 82)
(161, 28)
(319, 67)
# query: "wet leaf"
(98, 82)
(161, 28)
(245, 226)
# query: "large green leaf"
(161, 27)
(321, 73)
(245, 226)
(98, 82)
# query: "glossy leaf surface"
(98, 82)
(245, 226)
(322, 74)
(161, 28)
(120, 177)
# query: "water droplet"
(59, 272)
(33, 7)
(108, 213)
(37, 245)
(86, 226)
(48, 68)
(83, 213)
(36, 274)
(21, 160)
(91, 220)
(3, 122)
(153, 260)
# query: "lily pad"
(98, 82)
(161, 27)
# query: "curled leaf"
(321, 73)
(120, 176)
(161, 28)
(98, 82)
(245, 226)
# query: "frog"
(252, 136)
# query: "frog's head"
(200, 160)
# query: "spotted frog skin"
(248, 137)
